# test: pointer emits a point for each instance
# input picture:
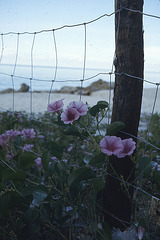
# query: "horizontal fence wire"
(72, 26)
(86, 23)
(81, 79)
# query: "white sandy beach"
(22, 101)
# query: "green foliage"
(144, 165)
(115, 127)
(61, 198)
(42, 202)
(26, 160)
(54, 149)
(98, 107)
(104, 233)
(79, 175)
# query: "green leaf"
(8, 199)
(98, 159)
(98, 107)
(27, 160)
(34, 228)
(18, 176)
(115, 127)
(2, 185)
(55, 149)
(59, 122)
(5, 203)
(98, 185)
(2, 155)
(45, 160)
(87, 159)
(19, 225)
(38, 197)
(104, 104)
(71, 130)
(60, 173)
(144, 165)
(61, 166)
(29, 190)
(5, 173)
(104, 233)
(80, 174)
(18, 141)
(63, 219)
(156, 176)
(106, 228)
(46, 211)
(30, 216)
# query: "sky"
(36, 15)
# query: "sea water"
(40, 78)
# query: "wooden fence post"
(126, 106)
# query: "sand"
(22, 101)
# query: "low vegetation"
(53, 166)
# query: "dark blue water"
(42, 77)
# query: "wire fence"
(80, 81)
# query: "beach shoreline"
(37, 101)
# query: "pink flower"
(12, 134)
(54, 158)
(79, 106)
(128, 147)
(9, 113)
(140, 232)
(115, 145)
(70, 149)
(28, 147)
(69, 115)
(28, 133)
(111, 145)
(55, 106)
(9, 157)
(40, 136)
(39, 163)
(19, 116)
(65, 160)
(3, 139)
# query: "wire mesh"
(81, 81)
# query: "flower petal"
(55, 106)
(79, 106)
(69, 115)
(128, 147)
(111, 145)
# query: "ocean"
(42, 77)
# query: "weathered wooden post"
(126, 105)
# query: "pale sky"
(36, 15)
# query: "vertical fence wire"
(84, 60)
(109, 99)
(113, 63)
(150, 121)
(13, 73)
(54, 79)
(31, 77)
(116, 41)
(56, 65)
(2, 49)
